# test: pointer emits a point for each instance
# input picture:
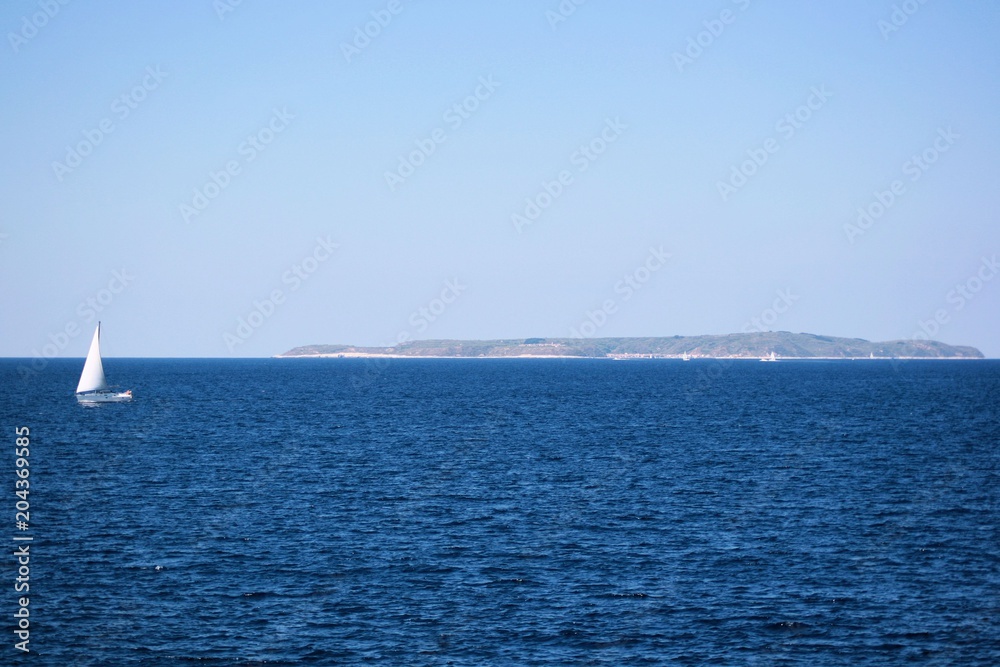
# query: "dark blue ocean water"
(523, 512)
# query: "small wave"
(787, 625)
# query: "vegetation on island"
(740, 345)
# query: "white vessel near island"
(770, 358)
(93, 386)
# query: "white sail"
(92, 378)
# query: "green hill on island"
(740, 345)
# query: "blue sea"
(508, 512)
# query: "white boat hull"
(93, 386)
(104, 397)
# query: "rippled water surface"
(531, 512)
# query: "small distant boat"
(770, 358)
(93, 386)
(686, 357)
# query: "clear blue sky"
(311, 118)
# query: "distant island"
(783, 344)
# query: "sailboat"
(770, 358)
(93, 386)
